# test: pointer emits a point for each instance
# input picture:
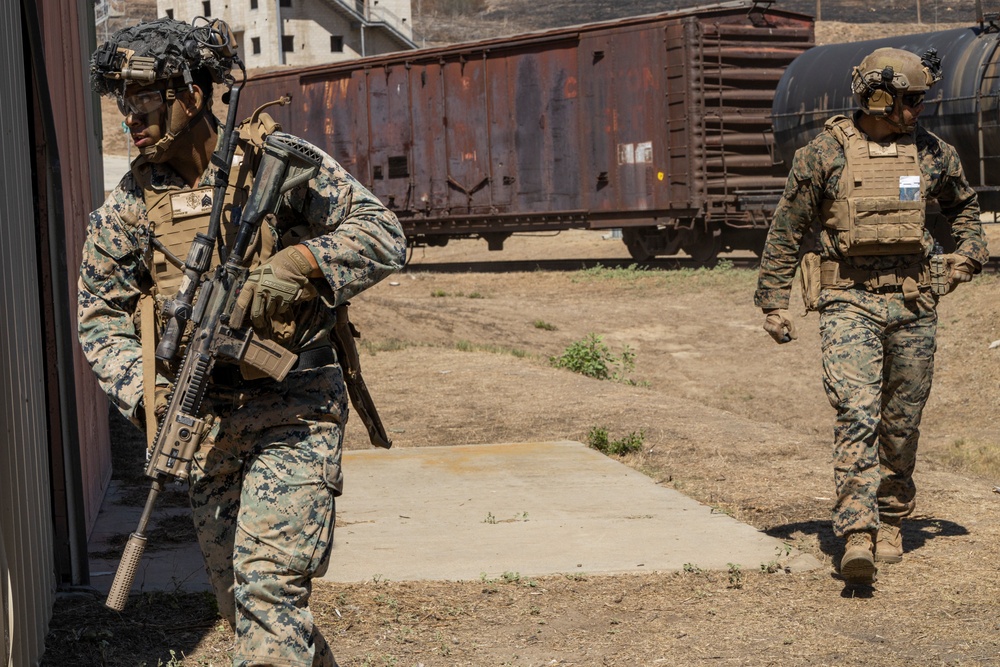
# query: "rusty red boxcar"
(658, 124)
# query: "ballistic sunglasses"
(143, 102)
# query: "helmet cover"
(887, 73)
(162, 50)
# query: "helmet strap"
(897, 108)
(159, 149)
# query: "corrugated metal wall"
(54, 449)
(26, 548)
(67, 29)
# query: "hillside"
(438, 22)
(448, 21)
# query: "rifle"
(286, 163)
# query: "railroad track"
(661, 263)
(509, 266)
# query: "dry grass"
(727, 418)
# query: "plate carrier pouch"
(940, 274)
(810, 280)
(873, 214)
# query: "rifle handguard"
(181, 440)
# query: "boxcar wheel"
(637, 247)
(703, 245)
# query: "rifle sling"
(343, 337)
(147, 315)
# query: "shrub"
(591, 357)
(598, 439)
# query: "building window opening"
(336, 43)
(255, 45)
(287, 43)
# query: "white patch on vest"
(909, 188)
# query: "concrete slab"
(460, 513)
(164, 567)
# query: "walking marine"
(856, 206)
(266, 471)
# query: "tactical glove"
(162, 399)
(960, 269)
(272, 289)
(779, 325)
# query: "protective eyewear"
(913, 100)
(142, 103)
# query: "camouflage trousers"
(878, 363)
(262, 489)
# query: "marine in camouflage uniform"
(264, 481)
(877, 307)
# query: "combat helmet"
(887, 74)
(176, 53)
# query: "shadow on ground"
(917, 532)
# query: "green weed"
(723, 275)
(590, 356)
(598, 439)
(735, 576)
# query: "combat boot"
(858, 564)
(889, 543)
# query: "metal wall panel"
(26, 548)
(68, 40)
(49, 179)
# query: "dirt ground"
(726, 416)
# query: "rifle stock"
(286, 163)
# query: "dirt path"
(726, 417)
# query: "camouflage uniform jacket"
(355, 240)
(815, 176)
